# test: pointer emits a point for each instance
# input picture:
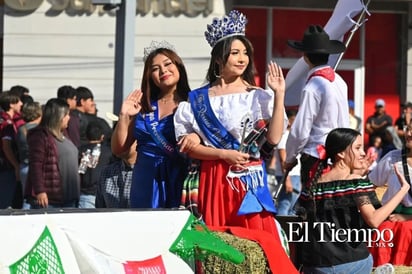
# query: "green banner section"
(196, 241)
(42, 258)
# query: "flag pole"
(352, 33)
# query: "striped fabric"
(334, 189)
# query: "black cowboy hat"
(316, 40)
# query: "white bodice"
(232, 110)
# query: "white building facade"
(50, 43)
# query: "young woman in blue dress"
(146, 115)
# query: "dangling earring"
(214, 72)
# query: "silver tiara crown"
(154, 45)
(229, 25)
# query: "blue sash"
(208, 122)
(257, 197)
(151, 122)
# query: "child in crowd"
(113, 188)
(374, 151)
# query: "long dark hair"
(53, 113)
(151, 91)
(220, 53)
(338, 140)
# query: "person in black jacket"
(89, 179)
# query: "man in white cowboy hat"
(323, 103)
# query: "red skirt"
(219, 202)
(398, 251)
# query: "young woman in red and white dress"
(233, 193)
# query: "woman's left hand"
(275, 78)
(188, 142)
(42, 199)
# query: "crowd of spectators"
(41, 148)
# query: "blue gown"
(157, 175)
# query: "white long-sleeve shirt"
(384, 173)
(323, 107)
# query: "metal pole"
(352, 33)
(1, 43)
(124, 52)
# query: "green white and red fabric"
(107, 242)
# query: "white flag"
(339, 23)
